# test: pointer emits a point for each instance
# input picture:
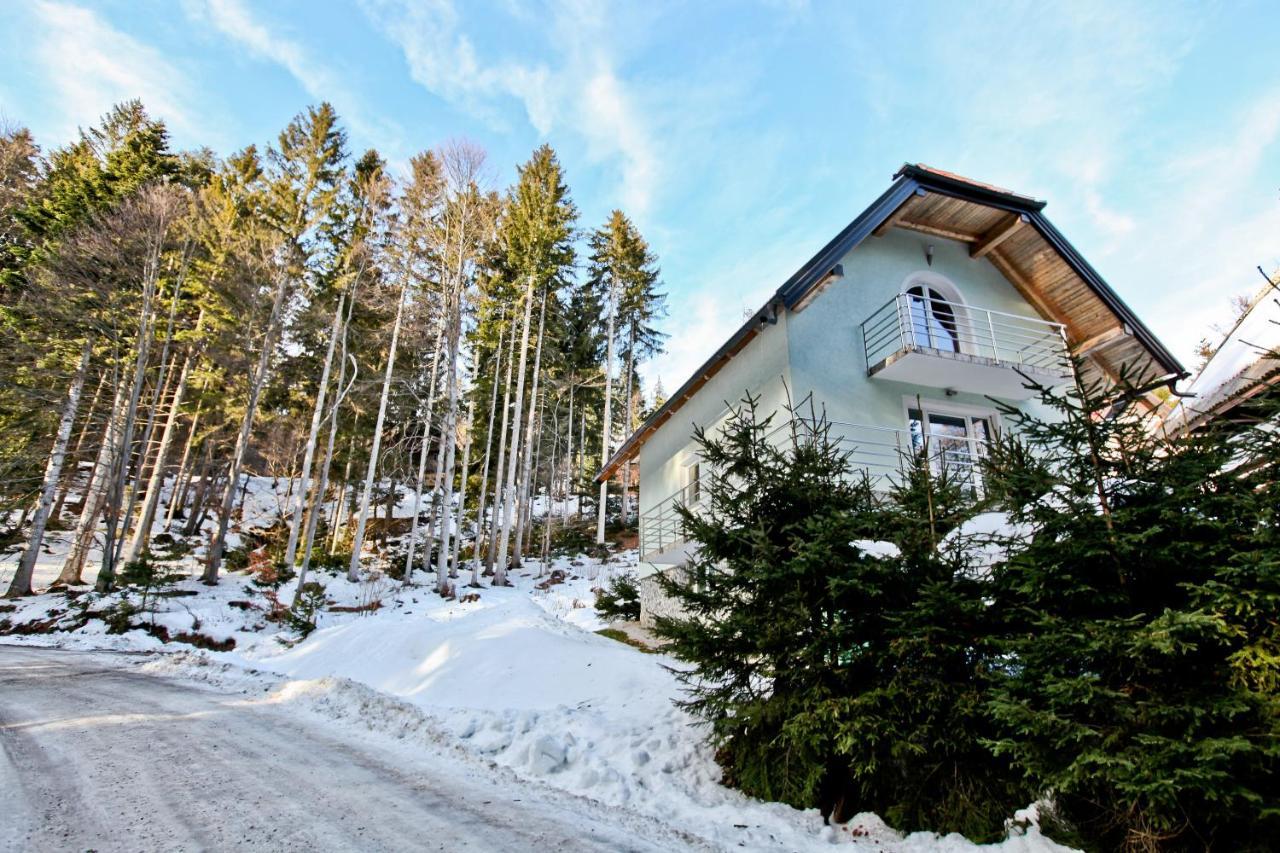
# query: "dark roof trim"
(794, 288)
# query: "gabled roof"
(1008, 229)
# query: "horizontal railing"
(880, 452)
(913, 323)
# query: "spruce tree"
(1141, 624)
(831, 675)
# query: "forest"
(305, 312)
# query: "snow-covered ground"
(515, 676)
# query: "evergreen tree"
(834, 675)
(1141, 624)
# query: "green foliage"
(1141, 617)
(829, 676)
(310, 600)
(149, 576)
(620, 600)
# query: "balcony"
(877, 451)
(942, 344)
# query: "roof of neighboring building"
(1243, 365)
(1008, 229)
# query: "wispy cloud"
(234, 20)
(91, 66)
(581, 93)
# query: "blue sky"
(740, 136)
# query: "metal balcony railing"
(878, 451)
(911, 323)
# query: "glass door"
(955, 441)
(933, 320)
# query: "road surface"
(98, 757)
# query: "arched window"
(935, 311)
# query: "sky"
(740, 136)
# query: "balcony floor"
(974, 374)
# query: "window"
(933, 319)
(957, 440)
(693, 486)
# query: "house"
(924, 307)
(1240, 371)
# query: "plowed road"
(98, 757)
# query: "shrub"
(620, 600)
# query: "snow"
(876, 548)
(515, 677)
(1240, 360)
(987, 539)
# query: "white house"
(939, 292)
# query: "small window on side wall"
(693, 485)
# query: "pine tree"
(1141, 614)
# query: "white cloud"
(235, 21)
(581, 94)
(92, 66)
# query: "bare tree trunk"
(96, 494)
(342, 511)
(499, 476)
(449, 437)
(353, 571)
(107, 572)
(317, 502)
(488, 446)
(568, 456)
(526, 473)
(628, 427)
(308, 457)
(144, 455)
(74, 455)
(582, 452)
(142, 535)
(508, 492)
(422, 458)
(21, 582)
(256, 384)
(608, 412)
(462, 488)
(178, 497)
(198, 502)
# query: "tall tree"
(536, 240)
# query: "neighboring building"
(940, 292)
(1239, 371)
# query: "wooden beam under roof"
(1100, 341)
(896, 217)
(937, 231)
(998, 233)
(1046, 306)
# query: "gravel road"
(97, 757)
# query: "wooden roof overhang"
(1010, 231)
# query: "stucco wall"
(826, 353)
(760, 368)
